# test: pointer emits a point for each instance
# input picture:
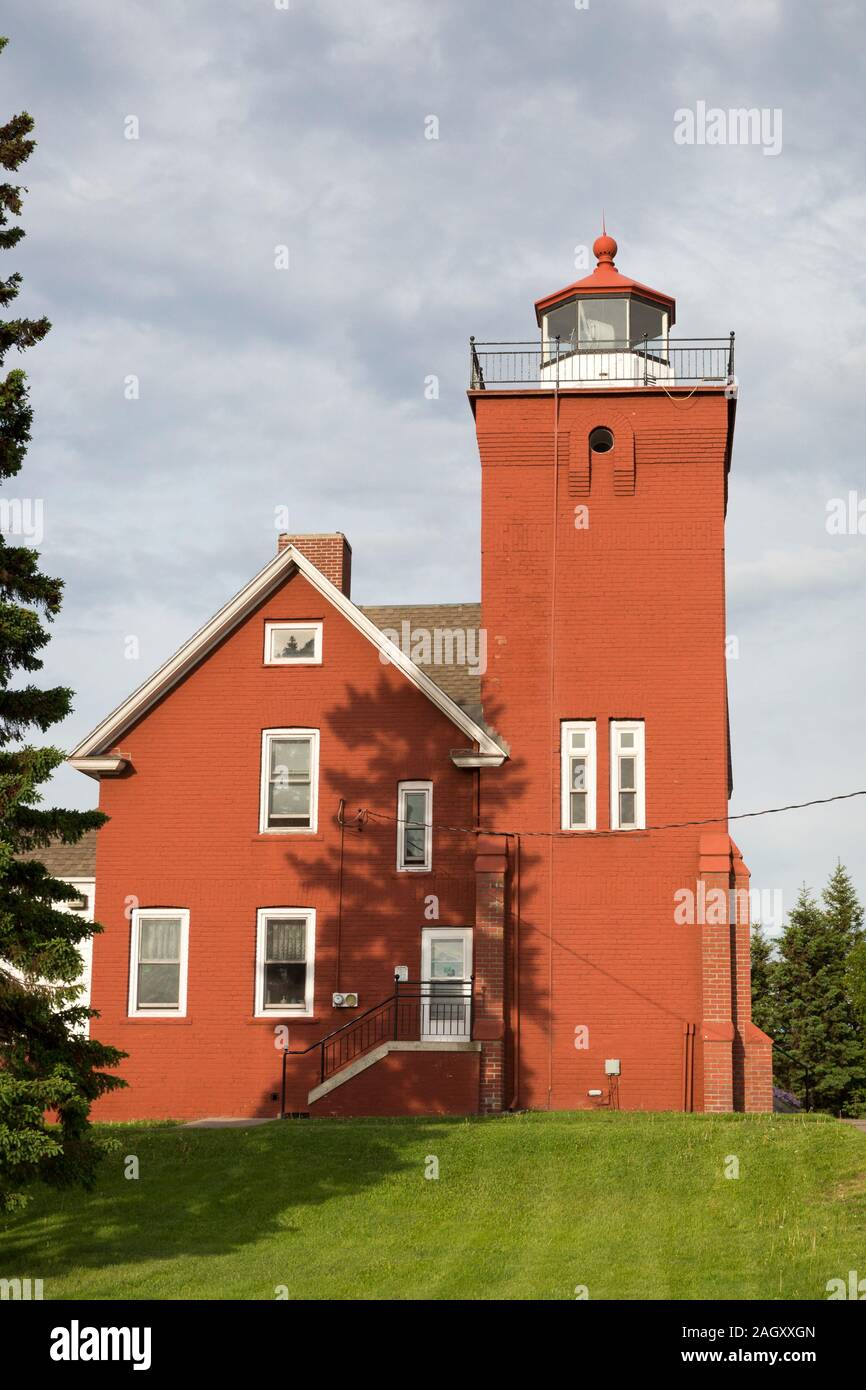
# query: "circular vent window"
(601, 441)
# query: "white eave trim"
(105, 735)
(99, 767)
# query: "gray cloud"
(259, 387)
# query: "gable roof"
(457, 679)
(67, 861)
(104, 737)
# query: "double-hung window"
(158, 962)
(578, 774)
(285, 953)
(414, 826)
(627, 775)
(290, 769)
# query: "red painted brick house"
(404, 860)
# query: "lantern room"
(605, 328)
(604, 331)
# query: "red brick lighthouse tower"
(605, 449)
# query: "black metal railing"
(641, 362)
(418, 1010)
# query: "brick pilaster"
(738, 1057)
(758, 1071)
(717, 1025)
(753, 1050)
(488, 967)
(741, 981)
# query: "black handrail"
(402, 1012)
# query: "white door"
(446, 969)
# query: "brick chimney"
(331, 554)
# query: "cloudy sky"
(261, 126)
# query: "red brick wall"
(408, 1083)
(638, 632)
(184, 833)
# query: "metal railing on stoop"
(417, 1011)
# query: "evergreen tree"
(45, 1064)
(763, 981)
(820, 1047)
(844, 915)
(855, 983)
(842, 908)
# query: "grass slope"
(634, 1206)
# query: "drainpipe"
(685, 1066)
(341, 817)
(554, 761)
(689, 1030)
(514, 1011)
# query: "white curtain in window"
(159, 938)
(286, 939)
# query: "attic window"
(601, 440)
(293, 644)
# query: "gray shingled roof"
(459, 676)
(68, 861)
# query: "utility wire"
(365, 814)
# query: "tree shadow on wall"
(381, 911)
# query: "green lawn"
(526, 1206)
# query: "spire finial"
(604, 247)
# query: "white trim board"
(104, 737)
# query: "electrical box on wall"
(344, 1001)
(401, 973)
(611, 1066)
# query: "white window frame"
(141, 914)
(285, 1011)
(568, 727)
(314, 660)
(427, 866)
(636, 726)
(268, 735)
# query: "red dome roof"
(605, 280)
(604, 248)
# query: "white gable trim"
(103, 738)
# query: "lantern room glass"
(595, 323)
